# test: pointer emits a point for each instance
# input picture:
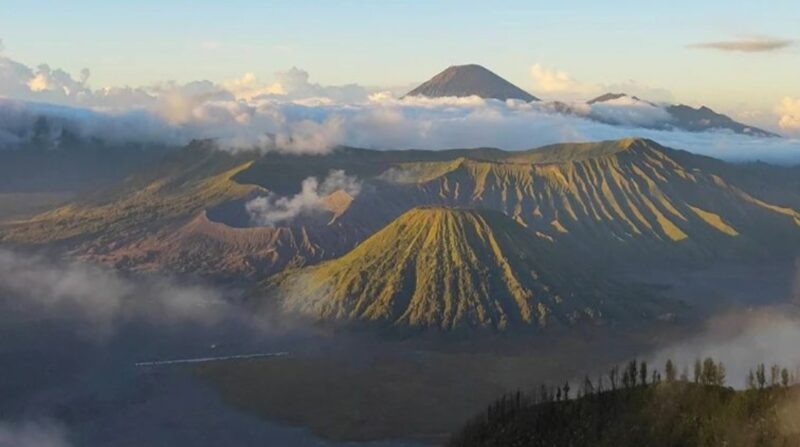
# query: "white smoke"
(273, 209)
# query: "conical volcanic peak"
(452, 268)
(470, 80)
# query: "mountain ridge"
(449, 269)
(614, 200)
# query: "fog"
(743, 338)
(71, 335)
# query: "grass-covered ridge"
(640, 407)
(456, 268)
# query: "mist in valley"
(71, 335)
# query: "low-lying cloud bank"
(43, 105)
(742, 339)
(383, 122)
(98, 299)
(741, 342)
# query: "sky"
(401, 42)
(741, 59)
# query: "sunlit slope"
(181, 185)
(158, 220)
(186, 213)
(628, 200)
(628, 194)
(453, 268)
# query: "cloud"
(741, 341)
(101, 298)
(32, 434)
(293, 114)
(384, 123)
(789, 113)
(295, 85)
(627, 111)
(248, 87)
(750, 44)
(550, 80)
(272, 209)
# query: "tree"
(785, 377)
(588, 388)
(698, 370)
(761, 376)
(544, 395)
(708, 375)
(751, 380)
(669, 371)
(566, 390)
(631, 373)
(613, 376)
(774, 375)
(721, 374)
(643, 373)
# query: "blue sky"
(398, 43)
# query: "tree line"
(635, 374)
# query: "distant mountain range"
(681, 116)
(610, 108)
(500, 231)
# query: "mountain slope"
(469, 80)
(451, 268)
(627, 201)
(703, 118)
(607, 108)
(630, 197)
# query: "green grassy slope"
(454, 268)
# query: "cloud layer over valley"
(292, 113)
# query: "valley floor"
(422, 389)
